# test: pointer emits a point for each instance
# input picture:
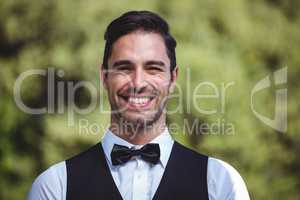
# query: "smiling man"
(138, 76)
(137, 158)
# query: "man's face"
(138, 79)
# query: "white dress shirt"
(138, 179)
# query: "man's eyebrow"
(155, 62)
(122, 62)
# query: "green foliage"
(218, 41)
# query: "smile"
(137, 101)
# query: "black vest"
(185, 176)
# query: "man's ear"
(103, 76)
(174, 75)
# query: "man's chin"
(136, 122)
(137, 119)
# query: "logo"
(279, 122)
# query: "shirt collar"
(164, 140)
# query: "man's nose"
(138, 79)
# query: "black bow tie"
(121, 154)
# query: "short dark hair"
(139, 20)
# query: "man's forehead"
(137, 38)
(140, 45)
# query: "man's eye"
(123, 68)
(154, 68)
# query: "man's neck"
(138, 135)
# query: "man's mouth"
(137, 101)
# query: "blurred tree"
(223, 42)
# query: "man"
(137, 158)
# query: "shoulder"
(86, 155)
(188, 153)
(224, 181)
(51, 184)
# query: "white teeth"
(138, 100)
